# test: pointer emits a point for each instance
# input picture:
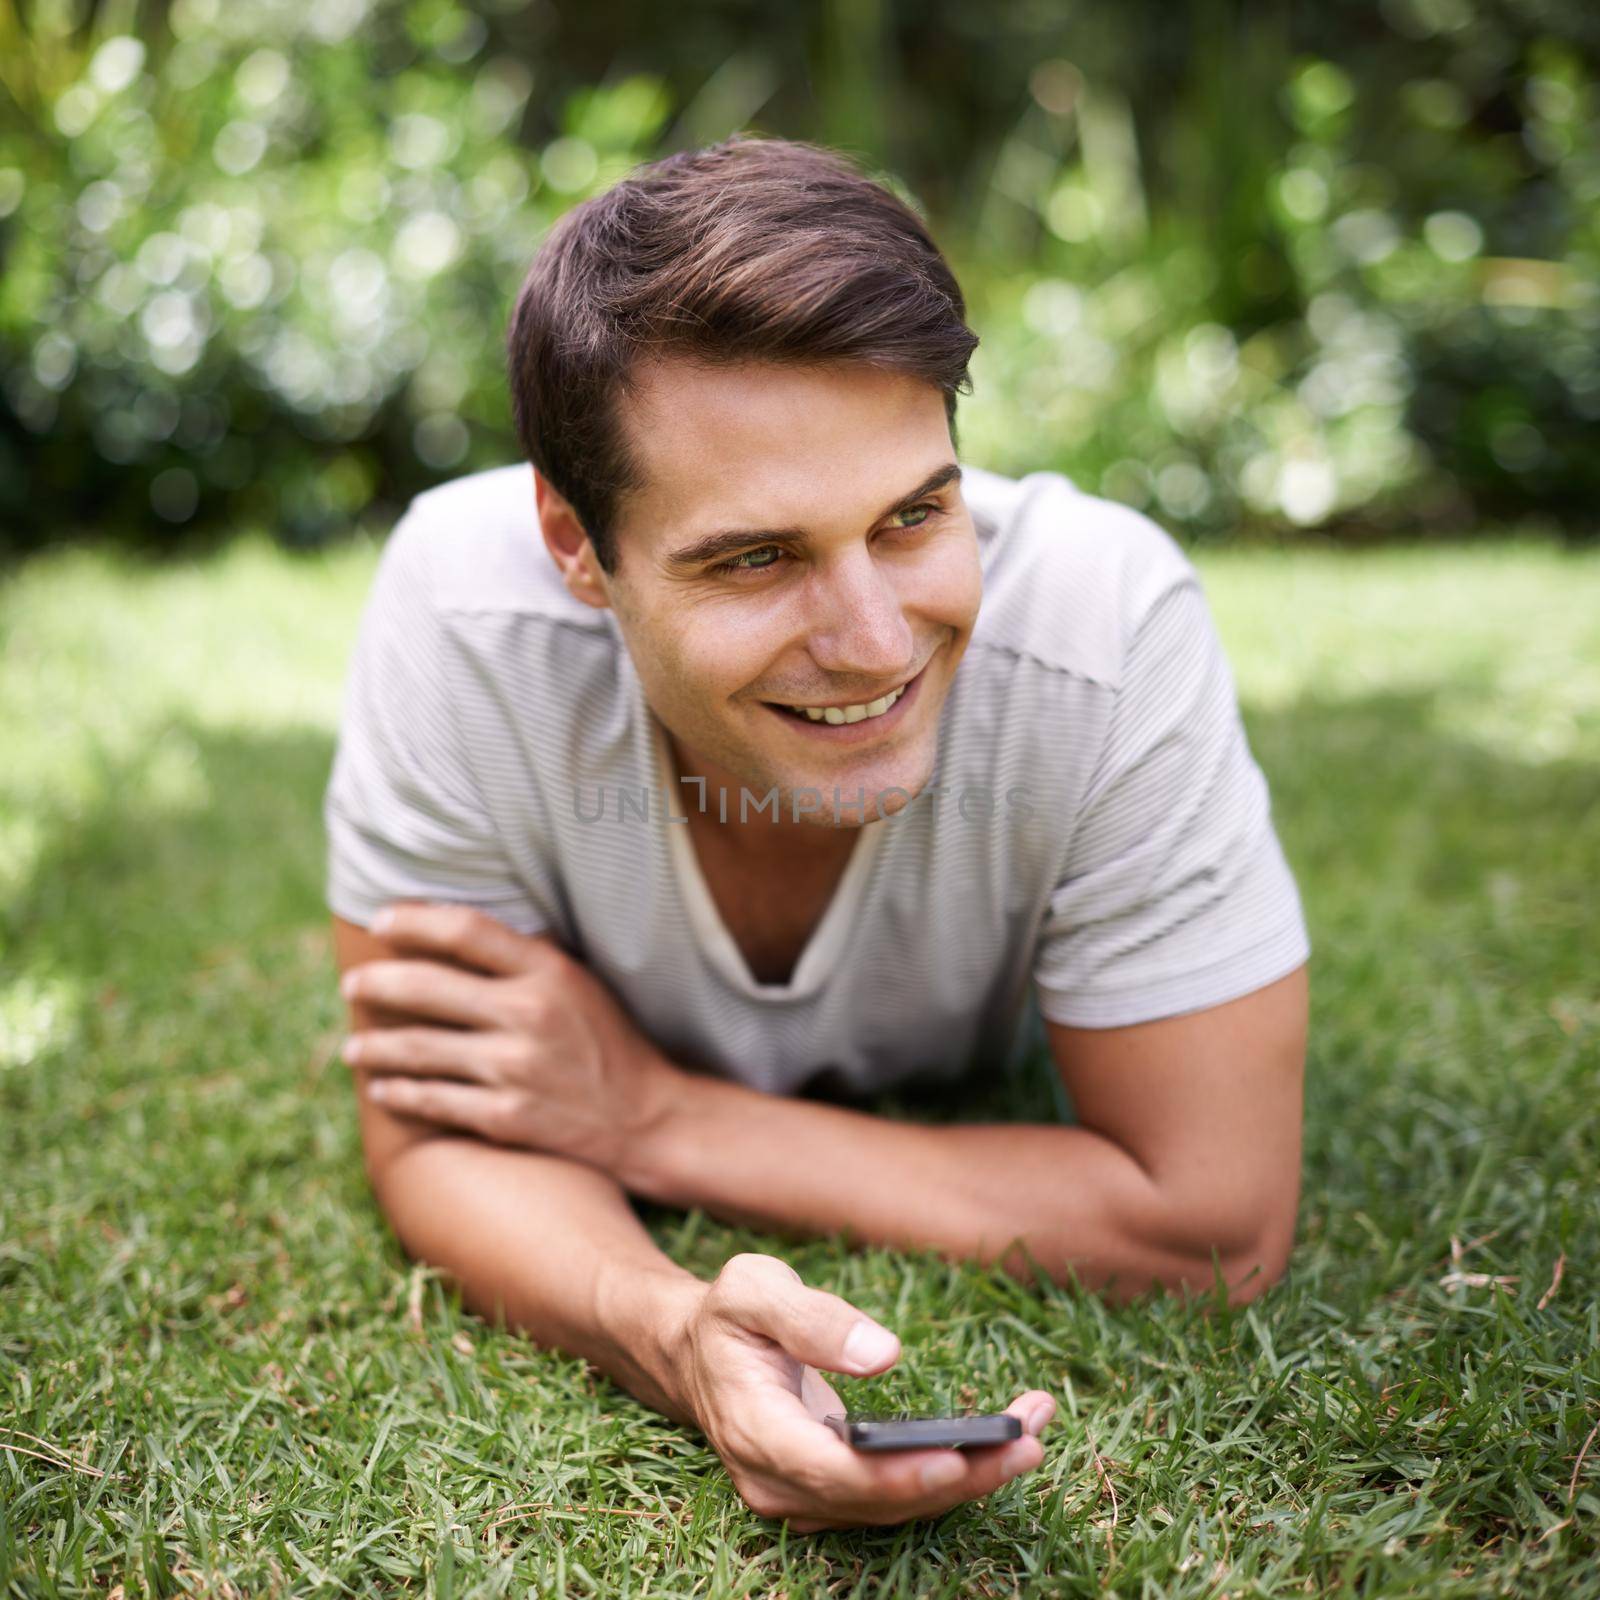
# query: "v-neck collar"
(822, 951)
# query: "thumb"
(812, 1325)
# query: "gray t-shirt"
(1095, 824)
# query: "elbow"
(1247, 1260)
(1176, 1251)
(377, 1169)
(378, 1151)
(1248, 1255)
(387, 1142)
(388, 1167)
(1250, 1273)
(380, 1180)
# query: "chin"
(908, 774)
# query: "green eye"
(743, 562)
(737, 564)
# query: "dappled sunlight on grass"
(1505, 639)
(96, 644)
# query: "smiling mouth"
(838, 715)
(848, 715)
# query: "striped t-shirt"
(1094, 846)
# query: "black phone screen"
(917, 1433)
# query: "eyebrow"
(728, 541)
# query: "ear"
(569, 545)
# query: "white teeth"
(838, 715)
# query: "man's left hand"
(527, 1046)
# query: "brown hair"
(752, 249)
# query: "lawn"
(219, 1373)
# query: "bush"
(256, 264)
(1388, 319)
(249, 279)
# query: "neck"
(758, 836)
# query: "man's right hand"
(745, 1361)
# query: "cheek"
(725, 652)
(949, 585)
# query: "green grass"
(201, 1309)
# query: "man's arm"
(550, 1245)
(1189, 1141)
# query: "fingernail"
(378, 1090)
(348, 985)
(868, 1345)
(1041, 1416)
(383, 922)
(941, 1474)
(351, 1048)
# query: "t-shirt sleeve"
(402, 812)
(1176, 894)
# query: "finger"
(829, 1478)
(982, 1471)
(895, 1493)
(940, 1479)
(1035, 1407)
(486, 1112)
(872, 1488)
(422, 1052)
(467, 935)
(984, 1468)
(1032, 1409)
(767, 1295)
(427, 989)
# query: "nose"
(859, 630)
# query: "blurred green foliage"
(1249, 266)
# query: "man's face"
(855, 572)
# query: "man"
(919, 739)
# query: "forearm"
(1079, 1202)
(548, 1245)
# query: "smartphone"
(905, 1432)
